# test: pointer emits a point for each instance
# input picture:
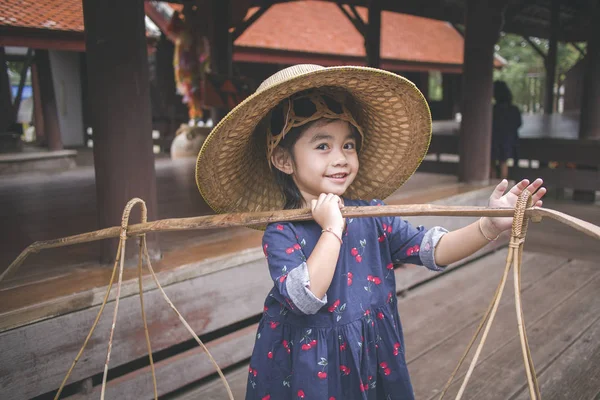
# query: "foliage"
(525, 72)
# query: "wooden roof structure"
(522, 17)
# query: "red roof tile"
(60, 15)
(320, 27)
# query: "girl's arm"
(461, 243)
(323, 259)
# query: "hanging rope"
(119, 259)
(521, 215)
(515, 254)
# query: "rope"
(513, 259)
(119, 260)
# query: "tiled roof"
(59, 15)
(320, 27)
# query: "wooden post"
(550, 59)
(48, 100)
(119, 99)
(589, 125)
(373, 34)
(448, 95)
(5, 94)
(221, 46)
(483, 19)
(38, 115)
(589, 120)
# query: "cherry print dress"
(349, 344)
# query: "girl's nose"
(340, 161)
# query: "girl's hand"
(496, 225)
(326, 212)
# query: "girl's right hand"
(326, 212)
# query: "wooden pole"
(373, 34)
(119, 99)
(483, 19)
(550, 59)
(5, 94)
(48, 101)
(38, 115)
(589, 125)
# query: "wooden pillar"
(5, 94)
(550, 60)
(448, 96)
(373, 34)
(48, 100)
(38, 115)
(119, 97)
(222, 44)
(589, 123)
(483, 19)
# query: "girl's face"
(323, 160)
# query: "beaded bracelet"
(483, 233)
(333, 233)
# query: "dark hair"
(293, 197)
(502, 93)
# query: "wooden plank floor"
(562, 314)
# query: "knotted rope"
(521, 214)
(513, 259)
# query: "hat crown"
(288, 73)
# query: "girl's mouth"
(340, 177)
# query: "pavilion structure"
(116, 47)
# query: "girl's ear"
(282, 160)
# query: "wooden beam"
(241, 28)
(373, 34)
(48, 101)
(589, 120)
(550, 61)
(360, 27)
(26, 65)
(579, 49)
(119, 95)
(482, 28)
(5, 94)
(535, 47)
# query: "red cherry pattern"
(345, 370)
(413, 250)
(350, 275)
(301, 394)
(322, 374)
(334, 306)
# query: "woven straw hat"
(232, 171)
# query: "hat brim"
(232, 172)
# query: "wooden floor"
(562, 314)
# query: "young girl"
(330, 328)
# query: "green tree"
(524, 72)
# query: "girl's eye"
(350, 146)
(322, 146)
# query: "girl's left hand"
(499, 199)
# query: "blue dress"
(349, 344)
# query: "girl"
(330, 328)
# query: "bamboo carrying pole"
(521, 214)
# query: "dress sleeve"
(288, 269)
(409, 244)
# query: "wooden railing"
(562, 163)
